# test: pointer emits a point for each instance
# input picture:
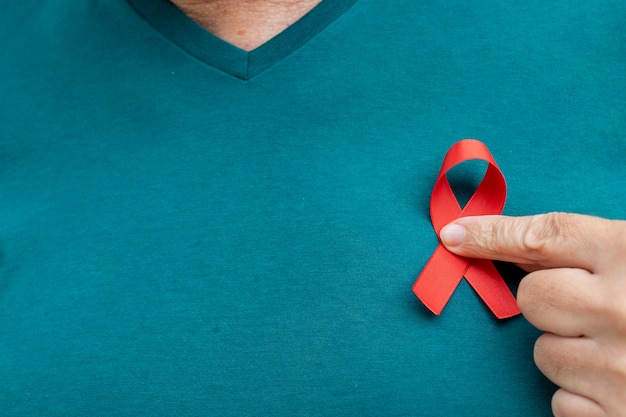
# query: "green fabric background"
(187, 229)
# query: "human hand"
(575, 293)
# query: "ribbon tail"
(489, 285)
(439, 279)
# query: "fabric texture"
(187, 229)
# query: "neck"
(246, 24)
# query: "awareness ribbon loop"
(444, 270)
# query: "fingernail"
(452, 235)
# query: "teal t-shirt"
(188, 229)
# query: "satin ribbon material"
(444, 270)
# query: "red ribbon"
(444, 270)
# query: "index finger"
(553, 240)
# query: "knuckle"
(540, 234)
(524, 295)
(560, 404)
(539, 294)
(543, 355)
(527, 292)
(552, 361)
(566, 404)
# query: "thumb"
(553, 240)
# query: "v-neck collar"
(175, 25)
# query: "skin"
(246, 24)
(575, 293)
